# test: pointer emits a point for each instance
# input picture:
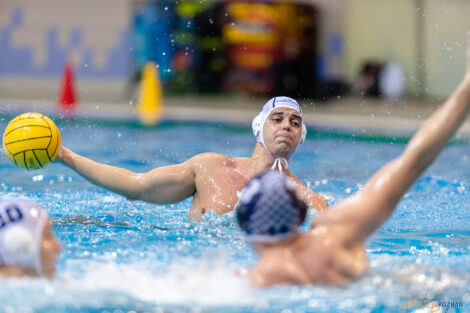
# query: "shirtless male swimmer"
(212, 179)
(332, 251)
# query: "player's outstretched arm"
(168, 184)
(364, 212)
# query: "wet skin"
(212, 179)
(50, 248)
(219, 178)
(333, 251)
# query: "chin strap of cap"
(279, 162)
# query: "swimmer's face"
(50, 248)
(282, 131)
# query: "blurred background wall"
(37, 38)
(425, 37)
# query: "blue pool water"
(123, 256)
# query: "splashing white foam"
(204, 284)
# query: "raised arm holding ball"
(212, 179)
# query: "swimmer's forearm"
(364, 212)
(164, 185)
(423, 148)
(113, 178)
(377, 200)
(439, 128)
(436, 131)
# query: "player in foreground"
(332, 251)
(212, 179)
(27, 245)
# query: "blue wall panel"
(19, 60)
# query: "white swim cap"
(258, 123)
(21, 226)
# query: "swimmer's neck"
(268, 248)
(262, 160)
(16, 271)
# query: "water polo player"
(333, 250)
(27, 245)
(212, 179)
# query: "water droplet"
(38, 178)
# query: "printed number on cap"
(13, 215)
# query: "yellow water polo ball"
(31, 140)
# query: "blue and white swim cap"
(258, 124)
(269, 209)
(21, 226)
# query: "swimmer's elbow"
(137, 188)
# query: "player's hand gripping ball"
(31, 140)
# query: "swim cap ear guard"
(304, 133)
(256, 125)
(269, 209)
(21, 226)
(18, 241)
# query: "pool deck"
(350, 114)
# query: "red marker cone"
(67, 98)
